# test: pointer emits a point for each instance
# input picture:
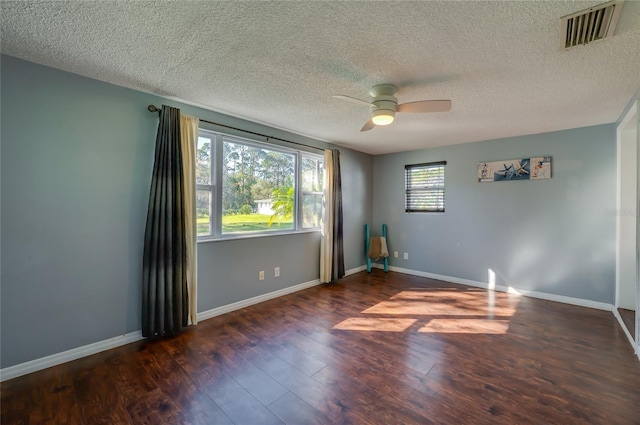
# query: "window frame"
(216, 187)
(300, 193)
(435, 188)
(211, 187)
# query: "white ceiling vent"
(587, 26)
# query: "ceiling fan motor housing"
(383, 90)
(384, 102)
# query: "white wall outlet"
(395, 254)
(276, 272)
(406, 255)
(261, 275)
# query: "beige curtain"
(326, 244)
(189, 136)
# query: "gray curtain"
(165, 305)
(337, 268)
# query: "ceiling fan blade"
(352, 99)
(368, 126)
(425, 106)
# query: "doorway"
(627, 272)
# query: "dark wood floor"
(628, 318)
(373, 349)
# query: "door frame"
(627, 123)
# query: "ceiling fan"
(384, 105)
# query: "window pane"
(424, 184)
(203, 198)
(312, 175)
(257, 189)
(203, 161)
(311, 210)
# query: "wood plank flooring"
(372, 349)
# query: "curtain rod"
(153, 108)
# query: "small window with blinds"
(424, 187)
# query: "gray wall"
(555, 236)
(76, 164)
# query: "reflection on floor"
(629, 319)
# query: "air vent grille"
(589, 25)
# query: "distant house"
(264, 206)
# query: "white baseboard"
(623, 326)
(626, 332)
(355, 270)
(255, 300)
(534, 294)
(97, 347)
(67, 356)
(204, 315)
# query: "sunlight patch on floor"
(443, 303)
(374, 324)
(466, 326)
(439, 311)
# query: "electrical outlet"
(406, 255)
(261, 275)
(276, 272)
(395, 254)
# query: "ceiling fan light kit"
(382, 116)
(384, 105)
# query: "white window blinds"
(424, 185)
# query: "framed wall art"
(537, 168)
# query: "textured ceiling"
(278, 63)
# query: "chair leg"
(366, 247)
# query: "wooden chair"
(368, 238)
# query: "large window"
(247, 187)
(424, 187)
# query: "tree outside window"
(257, 191)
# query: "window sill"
(426, 212)
(226, 238)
